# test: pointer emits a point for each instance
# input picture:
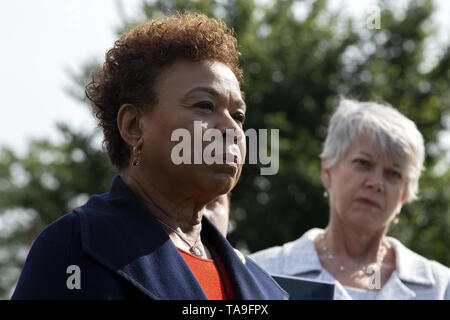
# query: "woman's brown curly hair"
(132, 65)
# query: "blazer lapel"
(396, 288)
(245, 285)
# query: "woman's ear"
(325, 174)
(405, 194)
(128, 122)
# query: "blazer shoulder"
(57, 267)
(441, 280)
(440, 270)
(47, 260)
(271, 259)
(442, 276)
(56, 239)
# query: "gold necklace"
(363, 270)
(194, 249)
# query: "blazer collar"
(121, 233)
(301, 256)
(412, 267)
(245, 283)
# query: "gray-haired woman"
(371, 163)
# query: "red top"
(207, 274)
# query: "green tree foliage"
(296, 67)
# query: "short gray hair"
(393, 134)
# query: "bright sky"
(41, 40)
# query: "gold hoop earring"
(137, 156)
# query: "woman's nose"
(375, 180)
(229, 127)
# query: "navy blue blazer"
(123, 253)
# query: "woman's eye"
(362, 162)
(207, 105)
(239, 117)
(395, 174)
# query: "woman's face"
(366, 189)
(218, 211)
(188, 91)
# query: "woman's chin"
(222, 184)
(218, 184)
(211, 181)
(366, 222)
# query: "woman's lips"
(233, 159)
(229, 167)
(369, 202)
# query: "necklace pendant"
(195, 251)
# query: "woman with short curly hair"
(148, 237)
(138, 57)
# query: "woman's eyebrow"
(365, 153)
(215, 93)
(209, 90)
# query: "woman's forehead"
(371, 148)
(194, 73)
(183, 76)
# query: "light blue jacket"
(415, 277)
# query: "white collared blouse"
(415, 277)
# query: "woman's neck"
(355, 257)
(353, 243)
(180, 218)
(185, 214)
